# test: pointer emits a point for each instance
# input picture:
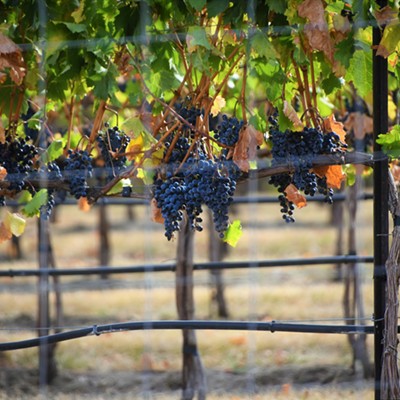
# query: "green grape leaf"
(73, 27)
(360, 72)
(262, 46)
(331, 83)
(117, 188)
(38, 200)
(54, 151)
(390, 141)
(233, 233)
(197, 4)
(216, 7)
(196, 36)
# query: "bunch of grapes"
(79, 167)
(227, 132)
(299, 149)
(17, 156)
(53, 173)
(199, 181)
(112, 144)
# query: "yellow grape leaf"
(218, 105)
(293, 195)
(14, 223)
(5, 233)
(290, 112)
(135, 148)
(332, 125)
(3, 173)
(84, 205)
(335, 176)
(233, 233)
(246, 147)
(156, 215)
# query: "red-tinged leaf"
(84, 205)
(386, 16)
(332, 125)
(335, 176)
(290, 112)
(156, 215)
(5, 233)
(246, 147)
(293, 195)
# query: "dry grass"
(263, 294)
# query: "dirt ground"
(23, 384)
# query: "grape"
(52, 172)
(299, 149)
(112, 145)
(17, 157)
(79, 164)
(227, 132)
(198, 182)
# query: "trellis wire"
(197, 266)
(272, 327)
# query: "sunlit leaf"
(15, 223)
(54, 151)
(390, 141)
(84, 205)
(233, 233)
(390, 41)
(218, 105)
(196, 37)
(38, 200)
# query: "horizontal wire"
(280, 321)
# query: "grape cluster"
(79, 166)
(199, 182)
(227, 132)
(299, 149)
(17, 157)
(53, 173)
(189, 114)
(112, 144)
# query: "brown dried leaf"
(3, 77)
(386, 15)
(5, 233)
(3, 173)
(290, 112)
(317, 30)
(395, 170)
(341, 26)
(156, 215)
(330, 124)
(360, 123)
(84, 205)
(246, 147)
(11, 57)
(293, 195)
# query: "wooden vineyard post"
(193, 378)
(47, 364)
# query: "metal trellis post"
(381, 212)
